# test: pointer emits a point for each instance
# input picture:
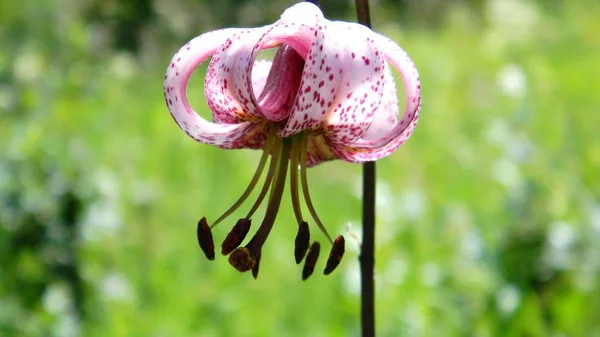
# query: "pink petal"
(227, 92)
(386, 116)
(281, 85)
(187, 59)
(260, 72)
(356, 154)
(294, 33)
(341, 85)
(400, 60)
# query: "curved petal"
(281, 85)
(341, 85)
(225, 85)
(295, 29)
(410, 77)
(385, 120)
(187, 59)
(260, 72)
(358, 155)
(386, 116)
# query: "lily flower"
(328, 94)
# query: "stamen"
(236, 236)
(241, 260)
(304, 180)
(205, 239)
(261, 165)
(302, 241)
(256, 266)
(268, 179)
(311, 260)
(294, 180)
(244, 259)
(336, 254)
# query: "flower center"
(284, 152)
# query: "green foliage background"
(489, 217)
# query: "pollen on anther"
(336, 254)
(241, 260)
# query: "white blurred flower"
(103, 218)
(68, 326)
(472, 245)
(507, 172)
(115, 287)
(514, 20)
(499, 132)
(561, 235)
(56, 299)
(107, 184)
(28, 66)
(512, 81)
(508, 299)
(123, 66)
(352, 278)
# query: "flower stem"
(367, 249)
(367, 252)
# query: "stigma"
(284, 155)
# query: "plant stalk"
(367, 249)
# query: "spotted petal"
(341, 85)
(412, 86)
(187, 59)
(385, 123)
(226, 89)
(294, 32)
(357, 154)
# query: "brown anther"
(256, 266)
(336, 254)
(311, 260)
(241, 260)
(205, 239)
(236, 236)
(302, 241)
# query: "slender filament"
(277, 188)
(294, 180)
(304, 180)
(270, 174)
(261, 165)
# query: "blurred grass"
(489, 221)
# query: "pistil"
(244, 259)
